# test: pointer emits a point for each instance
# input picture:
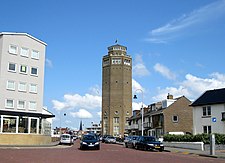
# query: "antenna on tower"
(116, 41)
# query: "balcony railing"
(147, 125)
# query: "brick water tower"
(116, 90)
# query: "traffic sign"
(214, 119)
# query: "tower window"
(116, 61)
(116, 120)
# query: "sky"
(177, 47)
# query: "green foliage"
(205, 138)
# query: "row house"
(167, 116)
(209, 112)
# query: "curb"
(41, 145)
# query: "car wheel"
(136, 147)
(145, 148)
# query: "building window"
(33, 126)
(116, 61)
(23, 69)
(175, 118)
(116, 120)
(206, 110)
(23, 125)
(33, 88)
(34, 71)
(116, 130)
(223, 116)
(13, 49)
(12, 67)
(116, 112)
(35, 54)
(10, 85)
(24, 52)
(22, 87)
(9, 103)
(9, 124)
(127, 62)
(207, 129)
(21, 104)
(32, 105)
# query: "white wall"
(199, 121)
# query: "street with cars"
(108, 152)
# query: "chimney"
(169, 96)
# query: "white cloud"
(99, 114)
(137, 105)
(175, 27)
(164, 71)
(48, 63)
(139, 68)
(59, 105)
(87, 101)
(82, 113)
(95, 90)
(136, 86)
(192, 87)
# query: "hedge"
(205, 138)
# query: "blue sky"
(178, 47)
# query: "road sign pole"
(212, 144)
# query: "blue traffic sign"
(214, 119)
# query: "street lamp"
(142, 112)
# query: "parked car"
(90, 141)
(132, 141)
(126, 139)
(66, 139)
(110, 139)
(148, 143)
(104, 137)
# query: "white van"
(66, 139)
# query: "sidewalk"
(218, 153)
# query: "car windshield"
(65, 136)
(149, 139)
(89, 137)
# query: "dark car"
(131, 142)
(90, 141)
(148, 143)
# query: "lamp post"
(60, 131)
(142, 112)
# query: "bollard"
(212, 144)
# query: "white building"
(22, 61)
(209, 112)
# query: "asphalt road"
(109, 153)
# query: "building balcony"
(147, 125)
(133, 127)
